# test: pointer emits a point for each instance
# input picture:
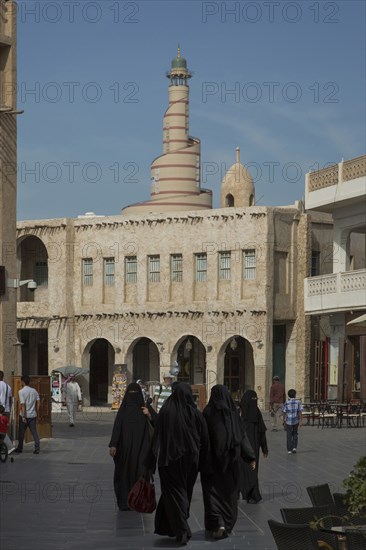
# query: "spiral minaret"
(175, 175)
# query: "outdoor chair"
(341, 508)
(289, 536)
(355, 539)
(320, 495)
(341, 504)
(328, 415)
(323, 514)
(310, 412)
(355, 415)
(308, 515)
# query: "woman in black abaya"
(255, 429)
(228, 444)
(130, 442)
(181, 440)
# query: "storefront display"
(119, 384)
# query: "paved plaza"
(62, 499)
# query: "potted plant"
(355, 484)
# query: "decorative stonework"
(354, 168)
(325, 284)
(323, 178)
(337, 282)
(353, 281)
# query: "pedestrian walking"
(4, 422)
(29, 409)
(228, 444)
(181, 449)
(5, 395)
(292, 410)
(72, 398)
(162, 392)
(130, 442)
(277, 397)
(255, 429)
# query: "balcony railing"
(336, 291)
(345, 171)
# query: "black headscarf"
(250, 411)
(177, 426)
(129, 413)
(224, 426)
(133, 396)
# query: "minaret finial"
(238, 155)
(178, 51)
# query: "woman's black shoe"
(182, 539)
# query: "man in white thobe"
(72, 397)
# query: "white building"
(336, 300)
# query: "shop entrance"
(101, 357)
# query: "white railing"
(335, 291)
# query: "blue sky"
(284, 81)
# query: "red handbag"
(141, 498)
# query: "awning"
(358, 321)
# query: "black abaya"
(228, 444)
(181, 440)
(255, 429)
(131, 437)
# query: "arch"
(236, 366)
(229, 200)
(144, 359)
(32, 258)
(98, 357)
(190, 355)
(251, 200)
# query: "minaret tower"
(175, 175)
(237, 187)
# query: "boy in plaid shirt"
(292, 409)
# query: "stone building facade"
(8, 137)
(219, 291)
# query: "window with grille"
(176, 268)
(154, 269)
(109, 271)
(314, 263)
(201, 267)
(131, 269)
(40, 273)
(249, 264)
(88, 271)
(225, 265)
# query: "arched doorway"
(145, 360)
(191, 358)
(238, 366)
(100, 375)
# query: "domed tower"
(237, 187)
(175, 175)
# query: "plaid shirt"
(292, 409)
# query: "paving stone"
(65, 494)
